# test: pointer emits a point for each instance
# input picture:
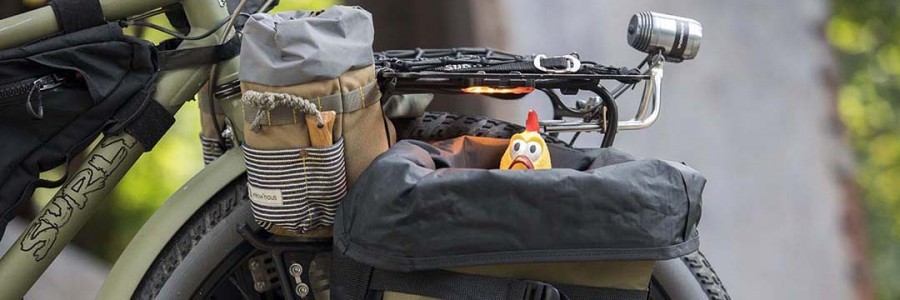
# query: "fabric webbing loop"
(198, 56)
(146, 120)
(356, 281)
(450, 285)
(349, 279)
(75, 15)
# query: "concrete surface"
(753, 112)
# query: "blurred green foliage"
(158, 173)
(866, 34)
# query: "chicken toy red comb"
(531, 124)
(527, 150)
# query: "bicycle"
(205, 256)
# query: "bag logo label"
(265, 196)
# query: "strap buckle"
(572, 64)
(536, 290)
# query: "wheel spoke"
(240, 287)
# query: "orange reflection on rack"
(493, 90)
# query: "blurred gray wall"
(754, 112)
(73, 275)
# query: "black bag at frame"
(59, 94)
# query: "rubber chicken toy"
(527, 149)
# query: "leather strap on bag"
(75, 15)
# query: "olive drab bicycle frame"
(105, 165)
(76, 201)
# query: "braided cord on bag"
(266, 101)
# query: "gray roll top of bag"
(307, 45)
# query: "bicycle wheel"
(205, 246)
(208, 258)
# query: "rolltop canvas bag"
(449, 225)
(313, 119)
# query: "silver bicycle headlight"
(676, 37)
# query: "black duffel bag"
(429, 219)
(59, 94)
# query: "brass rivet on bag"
(303, 152)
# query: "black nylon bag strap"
(447, 285)
(151, 124)
(168, 45)
(450, 285)
(178, 18)
(199, 56)
(349, 279)
(575, 293)
(146, 120)
(75, 15)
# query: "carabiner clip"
(572, 64)
(34, 103)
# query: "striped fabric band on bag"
(211, 149)
(298, 189)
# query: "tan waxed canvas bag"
(313, 119)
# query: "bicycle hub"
(675, 37)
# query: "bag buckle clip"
(573, 64)
(536, 290)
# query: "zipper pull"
(35, 95)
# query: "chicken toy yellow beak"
(527, 149)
